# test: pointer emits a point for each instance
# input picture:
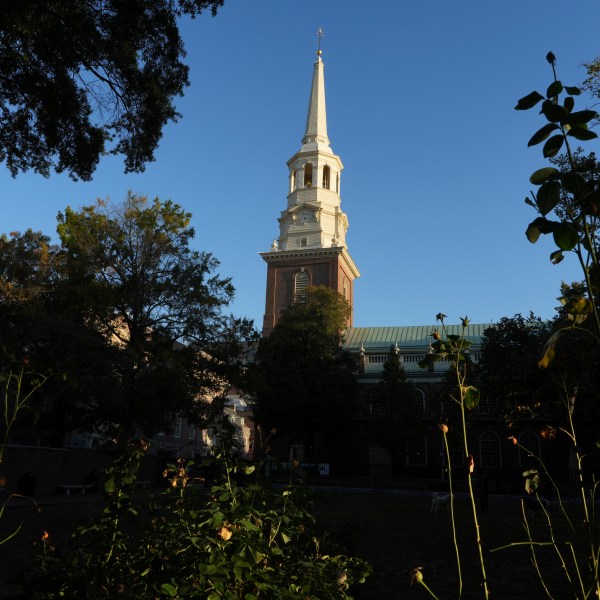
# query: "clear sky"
(420, 99)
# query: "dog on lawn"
(440, 502)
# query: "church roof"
(412, 336)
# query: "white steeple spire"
(314, 218)
(315, 135)
(311, 247)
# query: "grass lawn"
(395, 533)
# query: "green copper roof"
(408, 337)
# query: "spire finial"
(320, 34)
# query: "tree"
(508, 372)
(570, 189)
(591, 84)
(302, 382)
(83, 78)
(133, 319)
(396, 414)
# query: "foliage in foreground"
(567, 202)
(238, 540)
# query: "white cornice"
(285, 255)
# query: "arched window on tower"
(337, 184)
(326, 176)
(301, 283)
(308, 175)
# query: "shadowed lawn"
(395, 533)
(398, 533)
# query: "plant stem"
(452, 516)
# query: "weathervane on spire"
(320, 34)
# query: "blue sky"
(420, 101)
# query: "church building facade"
(311, 249)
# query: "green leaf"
(250, 469)
(554, 89)
(169, 589)
(110, 486)
(549, 352)
(471, 397)
(542, 175)
(548, 196)
(572, 90)
(566, 236)
(581, 116)
(582, 133)
(556, 257)
(529, 101)
(569, 103)
(539, 226)
(249, 525)
(256, 555)
(286, 538)
(541, 134)
(553, 112)
(578, 309)
(573, 182)
(532, 481)
(553, 146)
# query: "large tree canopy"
(126, 310)
(81, 78)
(508, 372)
(396, 412)
(303, 382)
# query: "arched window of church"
(490, 456)
(301, 283)
(326, 176)
(420, 400)
(293, 181)
(308, 175)
(529, 449)
(337, 183)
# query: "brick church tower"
(311, 248)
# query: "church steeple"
(316, 119)
(311, 247)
